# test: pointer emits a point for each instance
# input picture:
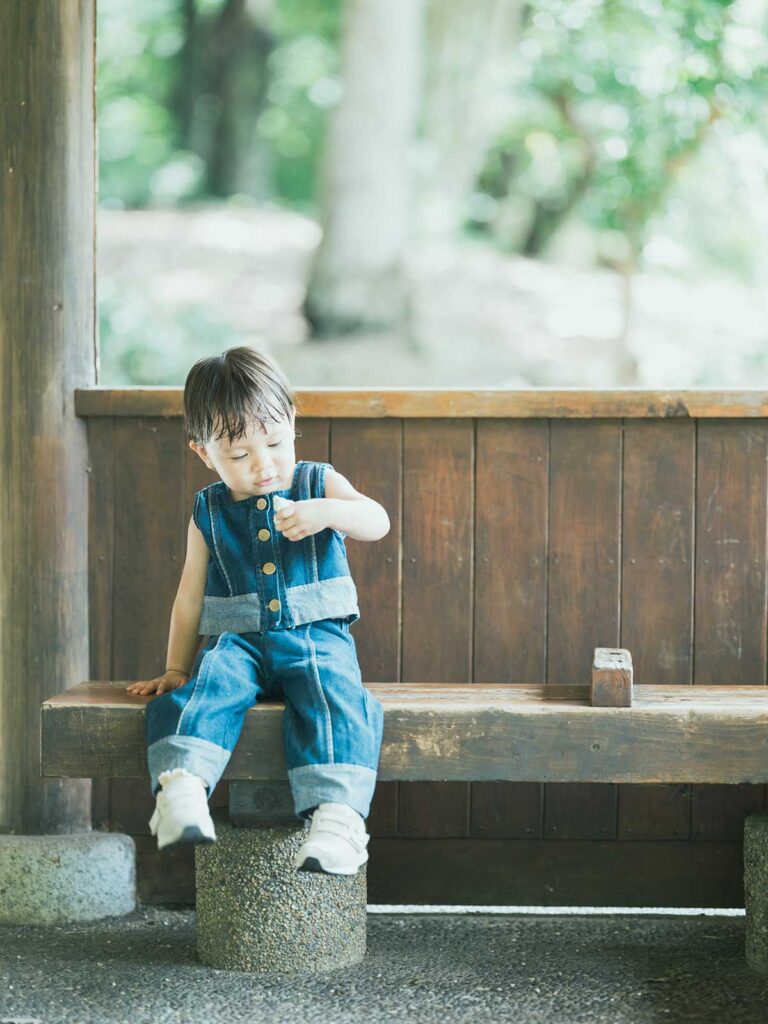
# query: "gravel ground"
(423, 968)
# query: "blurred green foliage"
(166, 67)
(612, 107)
(611, 102)
(627, 133)
(140, 345)
(137, 48)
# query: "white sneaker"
(181, 810)
(336, 844)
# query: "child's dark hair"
(224, 393)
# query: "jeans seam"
(213, 508)
(326, 709)
(203, 667)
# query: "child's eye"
(236, 458)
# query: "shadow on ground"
(624, 970)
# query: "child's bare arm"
(360, 517)
(183, 638)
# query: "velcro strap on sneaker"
(359, 840)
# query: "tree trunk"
(47, 349)
(222, 89)
(358, 280)
(471, 44)
(626, 360)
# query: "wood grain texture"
(718, 812)
(510, 594)
(149, 542)
(369, 454)
(656, 545)
(47, 348)
(612, 678)
(730, 592)
(583, 589)
(731, 553)
(541, 873)
(100, 582)
(478, 872)
(438, 497)
(549, 699)
(654, 812)
(657, 593)
(464, 733)
(657, 550)
(429, 403)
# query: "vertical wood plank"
(730, 627)
(657, 593)
(507, 810)
(100, 586)
(583, 592)
(719, 811)
(369, 454)
(510, 628)
(149, 546)
(438, 477)
(654, 812)
(730, 593)
(313, 443)
(148, 542)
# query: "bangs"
(224, 394)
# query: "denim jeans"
(331, 726)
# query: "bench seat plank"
(456, 732)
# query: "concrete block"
(255, 912)
(60, 878)
(756, 891)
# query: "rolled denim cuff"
(199, 757)
(313, 784)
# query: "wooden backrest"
(518, 543)
(527, 529)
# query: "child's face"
(260, 461)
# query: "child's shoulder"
(201, 511)
(216, 485)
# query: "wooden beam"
(407, 403)
(253, 804)
(47, 349)
(567, 872)
(477, 872)
(455, 732)
(611, 678)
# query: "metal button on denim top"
(257, 579)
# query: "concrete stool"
(756, 891)
(255, 912)
(59, 878)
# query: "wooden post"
(47, 349)
(611, 678)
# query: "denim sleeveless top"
(259, 580)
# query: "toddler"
(267, 582)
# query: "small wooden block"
(611, 678)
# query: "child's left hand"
(299, 519)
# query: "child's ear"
(198, 449)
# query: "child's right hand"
(170, 680)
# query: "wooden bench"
(452, 732)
